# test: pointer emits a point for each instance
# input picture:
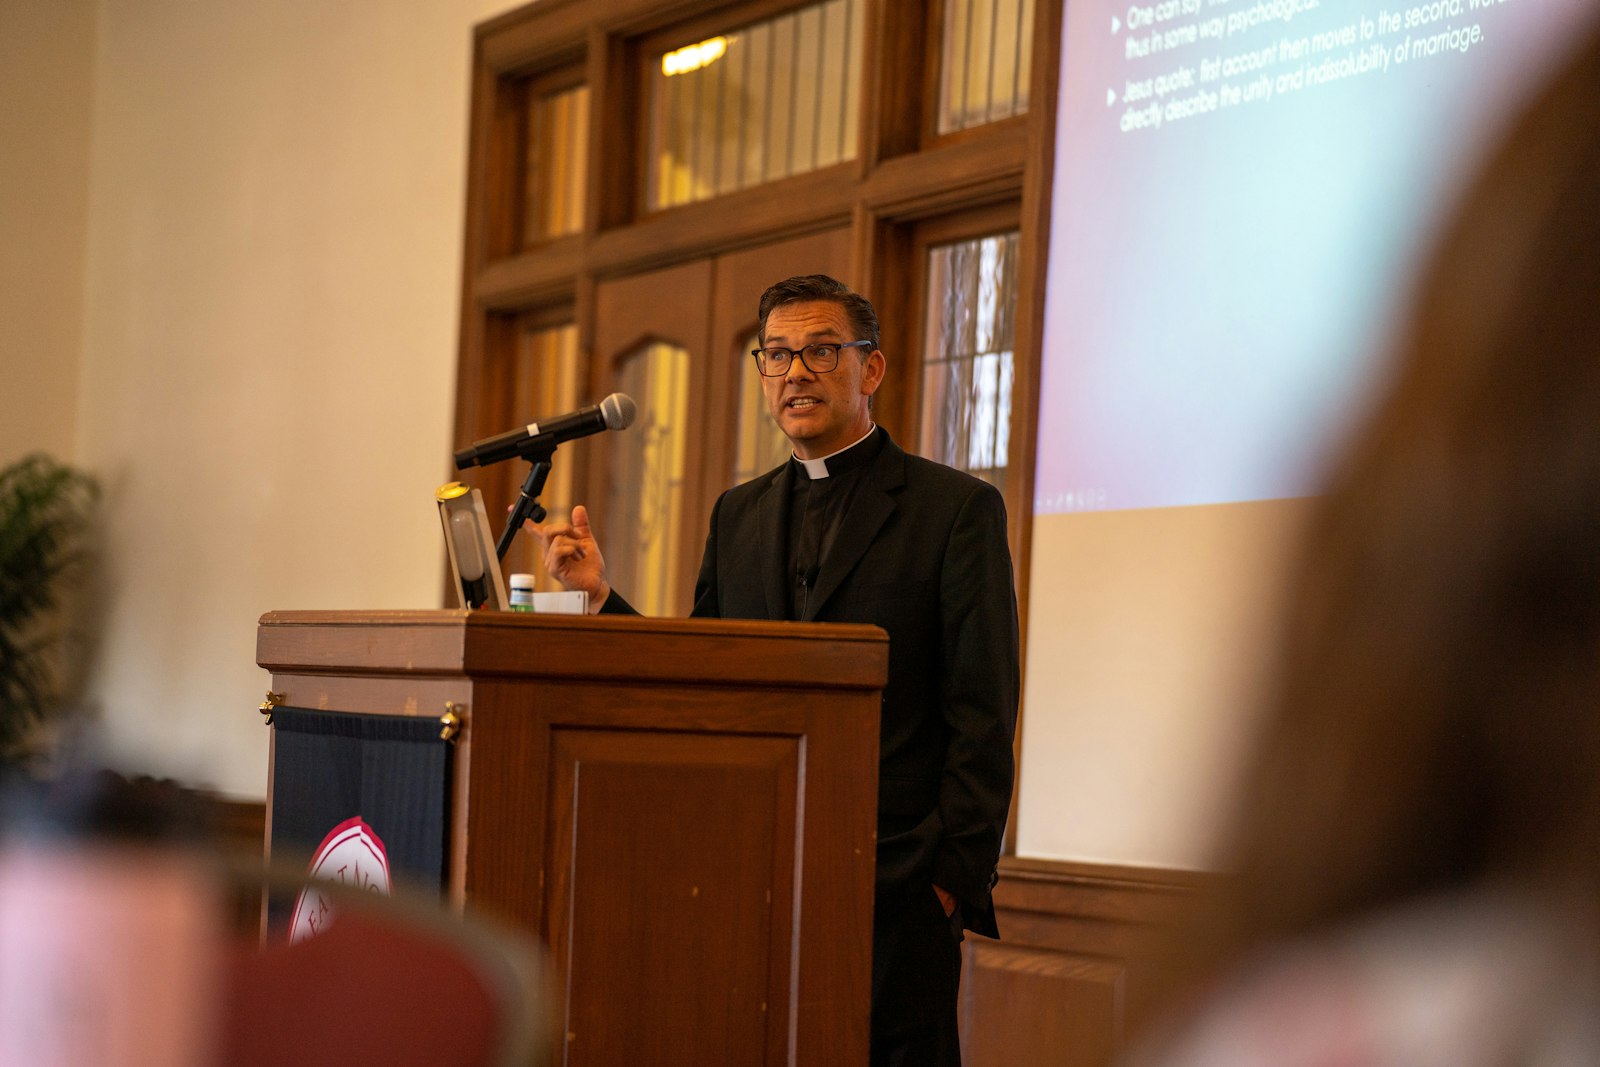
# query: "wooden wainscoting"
(239, 833)
(239, 826)
(1077, 941)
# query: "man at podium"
(853, 529)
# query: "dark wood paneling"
(670, 855)
(803, 204)
(1077, 941)
(534, 36)
(239, 825)
(1037, 1006)
(532, 279)
(972, 171)
(238, 831)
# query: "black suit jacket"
(922, 552)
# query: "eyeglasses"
(819, 359)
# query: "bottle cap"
(521, 581)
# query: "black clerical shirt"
(817, 505)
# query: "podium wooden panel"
(684, 810)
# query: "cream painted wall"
(46, 54)
(275, 220)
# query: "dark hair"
(1436, 722)
(804, 288)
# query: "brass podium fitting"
(450, 722)
(273, 700)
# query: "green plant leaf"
(45, 512)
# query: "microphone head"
(618, 410)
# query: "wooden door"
(654, 485)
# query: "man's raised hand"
(572, 556)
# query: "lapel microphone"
(807, 577)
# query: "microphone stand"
(527, 505)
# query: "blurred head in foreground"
(1433, 746)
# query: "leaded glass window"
(558, 152)
(985, 63)
(969, 341)
(766, 101)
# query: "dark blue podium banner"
(363, 800)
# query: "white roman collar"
(818, 468)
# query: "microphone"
(615, 412)
(807, 577)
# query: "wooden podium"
(683, 810)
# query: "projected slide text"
(1243, 191)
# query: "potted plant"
(45, 510)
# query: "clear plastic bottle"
(521, 589)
